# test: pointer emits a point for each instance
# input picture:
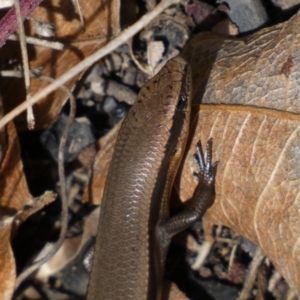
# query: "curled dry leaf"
(102, 23)
(8, 222)
(7, 261)
(250, 91)
(15, 197)
(16, 204)
(13, 186)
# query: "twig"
(34, 73)
(78, 8)
(8, 23)
(121, 39)
(11, 73)
(274, 280)
(50, 251)
(232, 255)
(144, 69)
(39, 42)
(30, 116)
(203, 252)
(37, 204)
(249, 281)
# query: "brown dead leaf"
(7, 261)
(14, 193)
(250, 89)
(16, 204)
(102, 23)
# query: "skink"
(135, 228)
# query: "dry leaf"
(102, 23)
(13, 186)
(14, 196)
(8, 224)
(16, 205)
(250, 89)
(7, 261)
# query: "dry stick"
(262, 282)
(232, 255)
(250, 279)
(78, 8)
(50, 252)
(121, 39)
(18, 74)
(39, 42)
(30, 116)
(276, 276)
(144, 69)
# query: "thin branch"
(232, 255)
(250, 280)
(121, 39)
(34, 73)
(37, 204)
(11, 73)
(51, 251)
(78, 8)
(275, 278)
(144, 69)
(25, 61)
(39, 42)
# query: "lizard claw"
(207, 170)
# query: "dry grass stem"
(78, 9)
(251, 277)
(39, 42)
(144, 69)
(30, 116)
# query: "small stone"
(109, 104)
(205, 272)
